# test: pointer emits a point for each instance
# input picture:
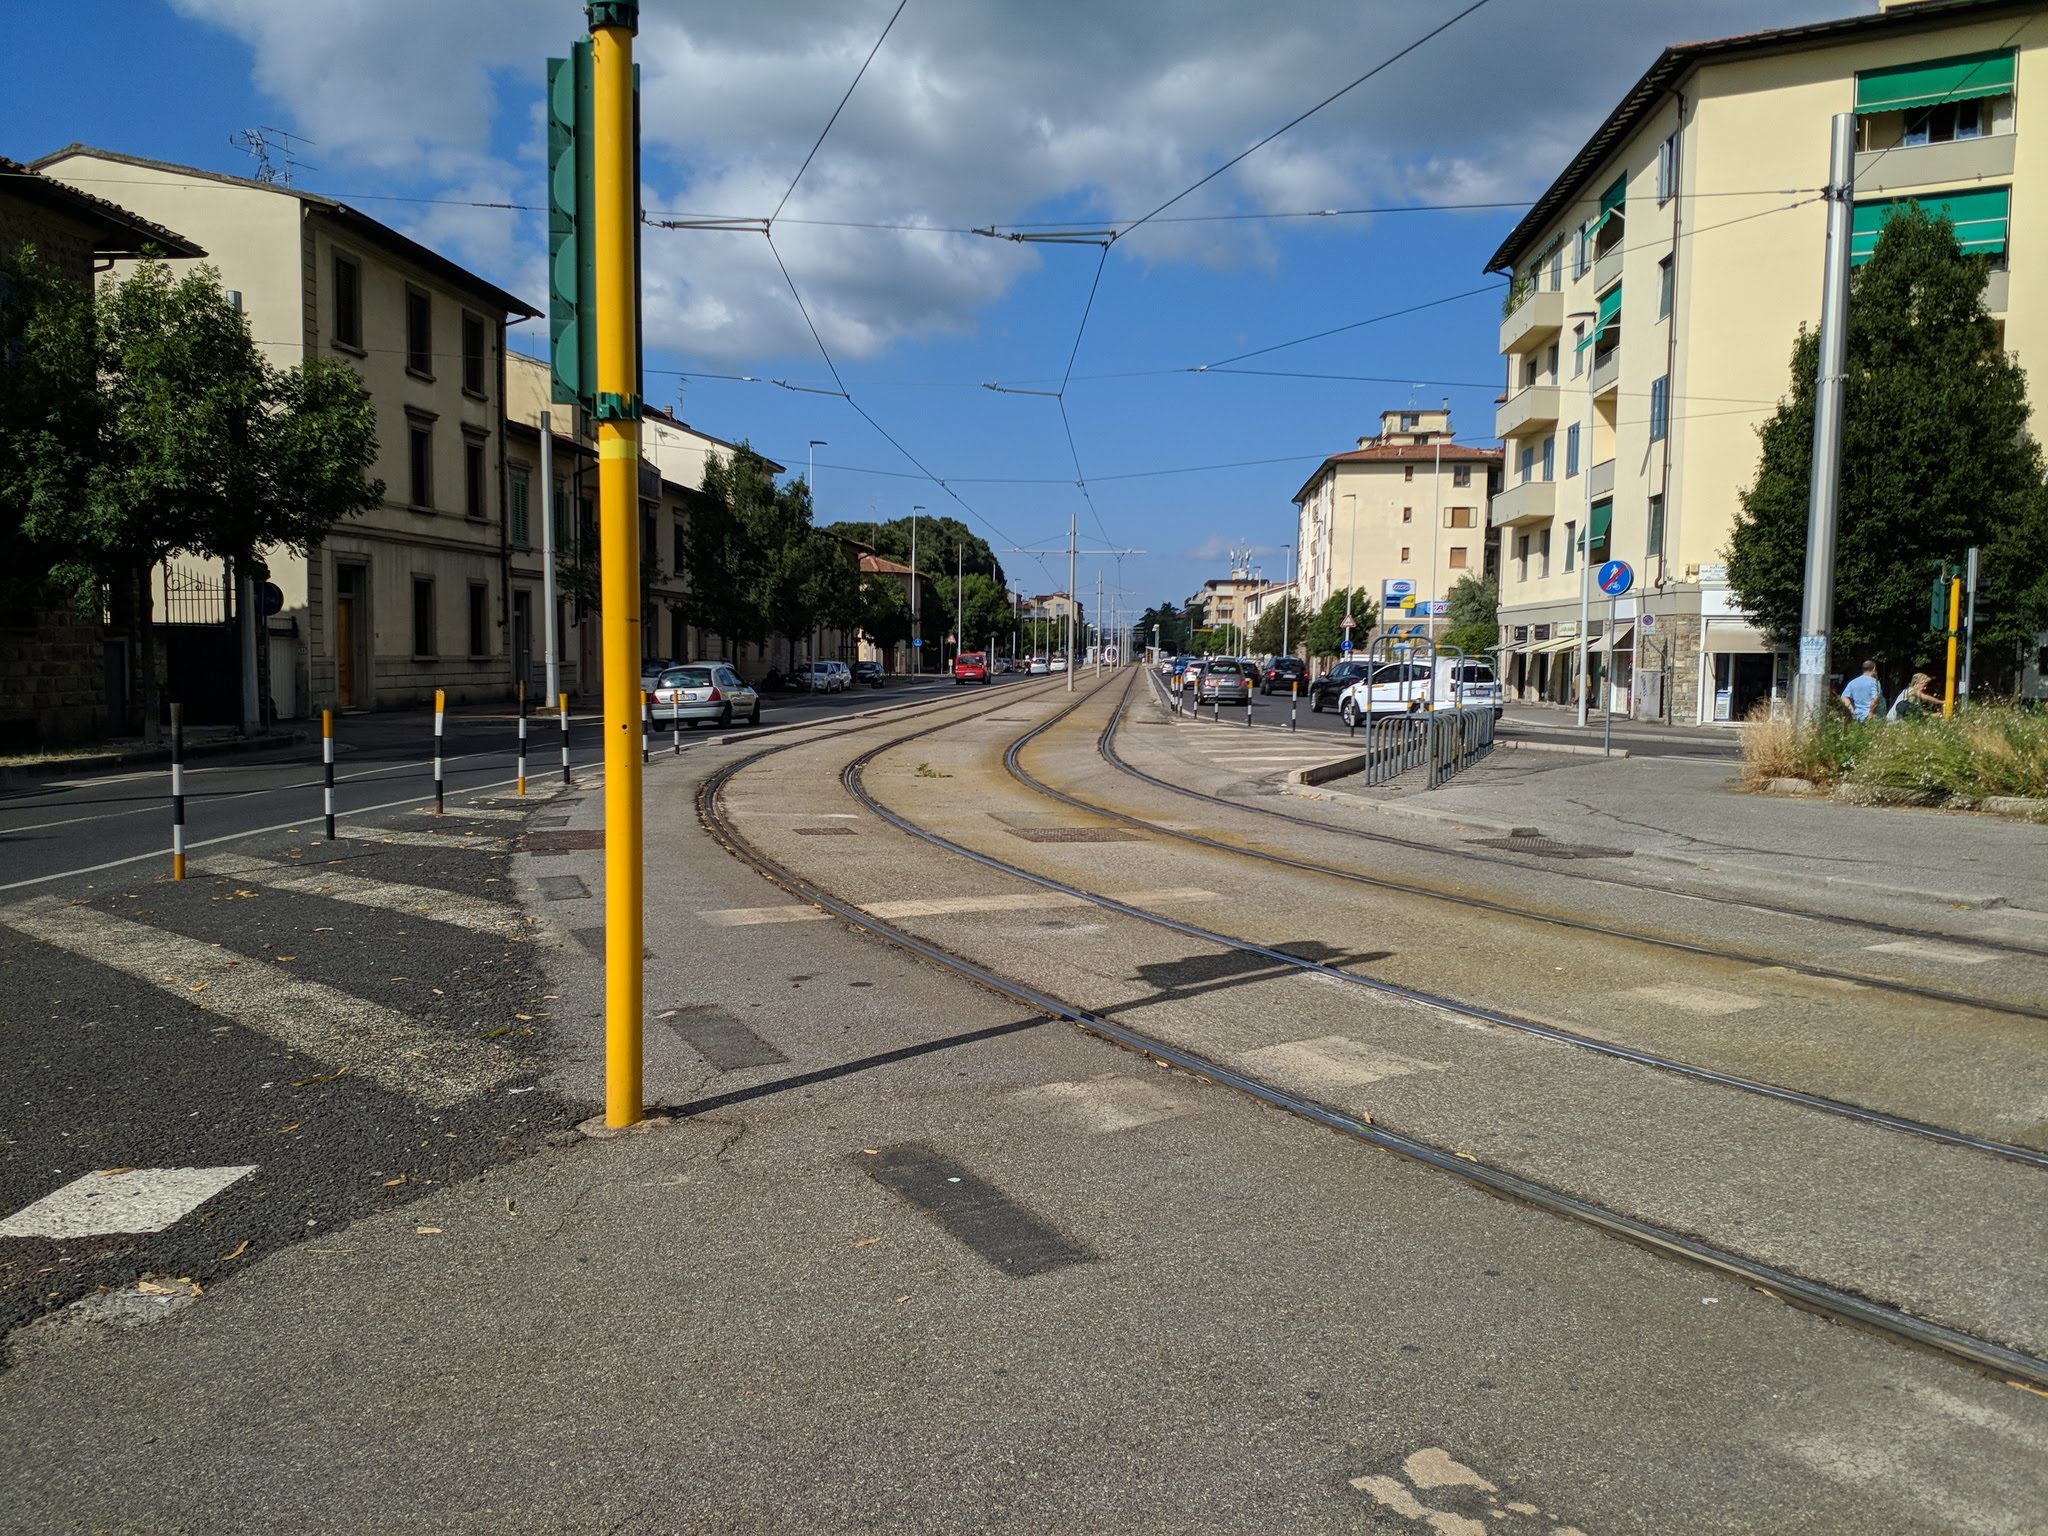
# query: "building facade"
(1656, 291)
(1404, 515)
(415, 595)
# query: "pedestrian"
(1865, 694)
(1916, 698)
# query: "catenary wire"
(851, 86)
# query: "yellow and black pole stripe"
(177, 791)
(562, 706)
(327, 767)
(440, 719)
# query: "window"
(1581, 251)
(1655, 542)
(676, 529)
(1664, 271)
(1578, 349)
(1667, 170)
(1404, 554)
(474, 497)
(1521, 557)
(518, 494)
(479, 619)
(348, 303)
(1459, 557)
(562, 544)
(1407, 471)
(1543, 550)
(1571, 546)
(1407, 514)
(1979, 215)
(1529, 370)
(423, 617)
(1407, 421)
(1550, 457)
(1597, 536)
(420, 462)
(419, 333)
(1550, 363)
(1461, 475)
(1571, 450)
(1660, 407)
(1528, 462)
(1461, 517)
(472, 354)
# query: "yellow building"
(1404, 515)
(1657, 288)
(415, 594)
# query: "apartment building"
(1656, 290)
(414, 595)
(1404, 514)
(1230, 603)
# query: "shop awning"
(1736, 637)
(1568, 643)
(1980, 217)
(1620, 638)
(1906, 86)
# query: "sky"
(1119, 407)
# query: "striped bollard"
(562, 703)
(522, 736)
(1293, 704)
(646, 722)
(440, 722)
(177, 791)
(327, 767)
(1247, 708)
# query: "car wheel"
(1349, 711)
(754, 715)
(725, 716)
(1315, 703)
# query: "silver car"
(701, 691)
(1224, 680)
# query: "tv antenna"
(275, 151)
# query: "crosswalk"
(1265, 753)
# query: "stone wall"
(53, 681)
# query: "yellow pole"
(1955, 617)
(618, 490)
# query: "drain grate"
(564, 841)
(1550, 848)
(824, 832)
(1073, 834)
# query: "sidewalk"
(1523, 718)
(1687, 813)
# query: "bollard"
(522, 736)
(327, 766)
(1247, 709)
(563, 701)
(1215, 708)
(440, 720)
(177, 791)
(646, 710)
(1293, 704)
(675, 724)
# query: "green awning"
(1603, 519)
(1905, 86)
(1979, 215)
(1610, 314)
(1611, 202)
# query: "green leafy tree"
(1936, 456)
(1474, 616)
(1282, 627)
(1172, 624)
(937, 540)
(720, 548)
(51, 418)
(985, 612)
(884, 611)
(1326, 627)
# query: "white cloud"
(974, 111)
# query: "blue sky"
(974, 113)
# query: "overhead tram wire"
(852, 85)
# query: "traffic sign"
(1648, 621)
(917, 643)
(270, 599)
(1347, 645)
(1350, 622)
(1615, 577)
(1408, 603)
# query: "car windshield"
(1223, 669)
(686, 677)
(1475, 674)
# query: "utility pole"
(1970, 619)
(916, 634)
(1073, 539)
(1817, 605)
(552, 643)
(1436, 525)
(1351, 564)
(1287, 604)
(959, 600)
(1580, 545)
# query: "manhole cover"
(1073, 834)
(564, 841)
(1550, 848)
(824, 831)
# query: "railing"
(1441, 741)
(190, 598)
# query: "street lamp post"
(1287, 604)
(916, 635)
(1584, 542)
(1351, 564)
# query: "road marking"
(1108, 1103)
(1335, 1061)
(326, 1023)
(1927, 949)
(942, 906)
(387, 895)
(132, 1200)
(424, 839)
(1695, 999)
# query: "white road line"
(1704, 1000)
(1927, 949)
(425, 839)
(130, 1200)
(322, 1022)
(941, 906)
(1332, 1061)
(385, 895)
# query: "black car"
(1322, 693)
(1281, 674)
(868, 673)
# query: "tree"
(986, 611)
(884, 611)
(1171, 623)
(1326, 627)
(1474, 616)
(1282, 627)
(937, 538)
(720, 550)
(1936, 456)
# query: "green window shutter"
(520, 505)
(1611, 202)
(1906, 86)
(1603, 519)
(1980, 216)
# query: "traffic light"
(572, 280)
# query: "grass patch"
(1986, 750)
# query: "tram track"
(1829, 1301)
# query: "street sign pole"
(1615, 579)
(1969, 616)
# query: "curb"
(1882, 797)
(1566, 748)
(34, 773)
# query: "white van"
(1413, 687)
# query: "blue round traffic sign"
(1615, 578)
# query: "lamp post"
(916, 650)
(1436, 525)
(811, 466)
(1584, 541)
(1350, 563)
(1287, 604)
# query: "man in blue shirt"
(1864, 695)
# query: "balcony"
(1603, 480)
(1958, 163)
(1530, 409)
(1533, 501)
(1535, 320)
(1606, 375)
(1607, 269)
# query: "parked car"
(868, 673)
(970, 667)
(1058, 664)
(1392, 688)
(1469, 683)
(1039, 666)
(1281, 674)
(823, 677)
(1224, 680)
(1190, 672)
(651, 668)
(1323, 691)
(695, 692)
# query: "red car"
(970, 667)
